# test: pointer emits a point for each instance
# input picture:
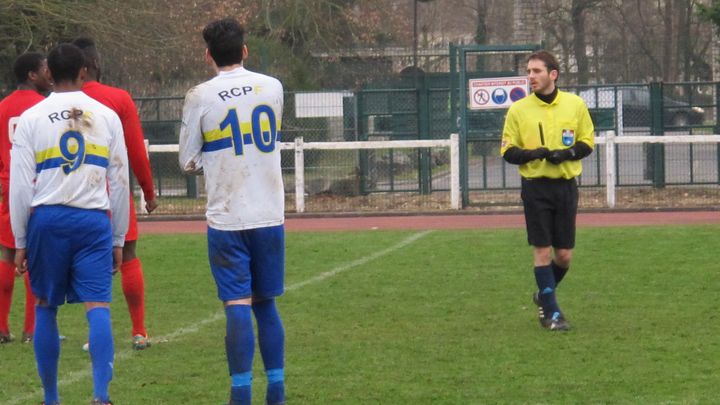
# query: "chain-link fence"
(648, 175)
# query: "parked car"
(636, 108)
(676, 113)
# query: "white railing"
(609, 139)
(300, 147)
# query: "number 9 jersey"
(69, 150)
(230, 132)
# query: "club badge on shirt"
(568, 137)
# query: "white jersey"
(229, 131)
(69, 150)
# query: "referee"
(547, 134)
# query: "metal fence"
(648, 175)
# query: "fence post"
(657, 128)
(455, 171)
(716, 130)
(299, 175)
(610, 174)
(143, 209)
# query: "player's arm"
(118, 180)
(191, 139)
(137, 154)
(22, 177)
(510, 146)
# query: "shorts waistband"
(548, 180)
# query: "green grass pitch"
(408, 317)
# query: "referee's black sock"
(559, 272)
(546, 285)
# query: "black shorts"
(550, 211)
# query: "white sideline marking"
(75, 376)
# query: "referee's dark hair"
(26, 63)
(225, 39)
(549, 59)
(65, 62)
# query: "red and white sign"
(498, 92)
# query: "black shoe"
(98, 401)
(6, 338)
(541, 313)
(556, 323)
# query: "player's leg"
(29, 325)
(564, 228)
(133, 284)
(7, 266)
(561, 263)
(7, 283)
(538, 205)
(230, 265)
(91, 284)
(47, 349)
(268, 274)
(49, 254)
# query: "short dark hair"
(26, 63)
(89, 50)
(65, 62)
(546, 57)
(225, 39)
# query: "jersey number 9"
(72, 149)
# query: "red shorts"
(132, 233)
(7, 238)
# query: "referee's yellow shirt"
(564, 121)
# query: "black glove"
(558, 156)
(539, 153)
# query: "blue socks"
(102, 350)
(46, 343)
(271, 339)
(240, 347)
(558, 272)
(546, 285)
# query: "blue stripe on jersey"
(56, 162)
(222, 143)
(96, 160)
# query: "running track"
(458, 221)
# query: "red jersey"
(120, 101)
(10, 109)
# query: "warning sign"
(498, 92)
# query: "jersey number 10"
(264, 140)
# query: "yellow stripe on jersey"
(245, 128)
(90, 149)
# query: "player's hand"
(20, 262)
(539, 153)
(117, 258)
(150, 205)
(558, 156)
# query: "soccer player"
(119, 100)
(546, 134)
(33, 81)
(68, 168)
(229, 132)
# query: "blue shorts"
(69, 254)
(248, 263)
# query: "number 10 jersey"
(230, 131)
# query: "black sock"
(546, 285)
(559, 272)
